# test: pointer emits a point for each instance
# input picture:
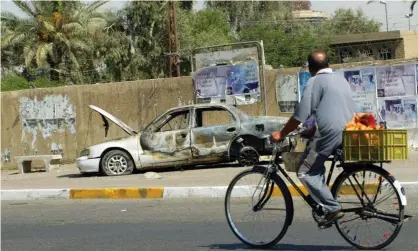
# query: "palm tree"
(55, 34)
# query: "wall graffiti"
(51, 114)
(5, 157)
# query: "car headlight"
(85, 152)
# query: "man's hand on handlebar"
(276, 137)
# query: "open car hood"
(105, 115)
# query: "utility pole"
(386, 11)
(174, 70)
(411, 13)
(409, 23)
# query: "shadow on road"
(237, 246)
(163, 169)
(79, 175)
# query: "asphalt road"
(186, 224)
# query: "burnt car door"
(166, 141)
(212, 131)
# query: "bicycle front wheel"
(259, 209)
(373, 207)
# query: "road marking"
(157, 192)
(117, 193)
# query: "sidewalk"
(68, 177)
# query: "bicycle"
(346, 183)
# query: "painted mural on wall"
(390, 92)
(52, 114)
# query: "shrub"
(15, 82)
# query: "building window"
(385, 53)
(366, 52)
(345, 54)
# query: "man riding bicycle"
(327, 101)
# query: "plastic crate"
(375, 145)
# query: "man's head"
(317, 60)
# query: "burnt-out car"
(183, 136)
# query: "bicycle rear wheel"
(373, 207)
(262, 226)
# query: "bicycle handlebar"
(292, 134)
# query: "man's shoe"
(330, 218)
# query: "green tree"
(283, 48)
(244, 14)
(141, 54)
(55, 34)
(200, 29)
(349, 21)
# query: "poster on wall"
(304, 76)
(396, 80)
(416, 76)
(399, 113)
(287, 92)
(362, 82)
(366, 106)
(233, 84)
(210, 84)
(242, 82)
(363, 88)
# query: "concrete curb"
(146, 193)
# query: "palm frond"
(7, 39)
(9, 16)
(96, 23)
(14, 38)
(79, 45)
(48, 26)
(95, 5)
(38, 6)
(25, 7)
(11, 21)
(60, 37)
(16, 24)
(73, 60)
(42, 53)
(29, 53)
(72, 27)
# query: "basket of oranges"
(365, 141)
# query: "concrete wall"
(410, 40)
(41, 121)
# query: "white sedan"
(186, 135)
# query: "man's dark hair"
(318, 59)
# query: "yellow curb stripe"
(345, 190)
(117, 193)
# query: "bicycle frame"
(308, 198)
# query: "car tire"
(116, 163)
(248, 156)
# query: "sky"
(396, 10)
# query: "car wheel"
(248, 156)
(117, 162)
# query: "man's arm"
(290, 126)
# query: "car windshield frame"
(168, 115)
(238, 112)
